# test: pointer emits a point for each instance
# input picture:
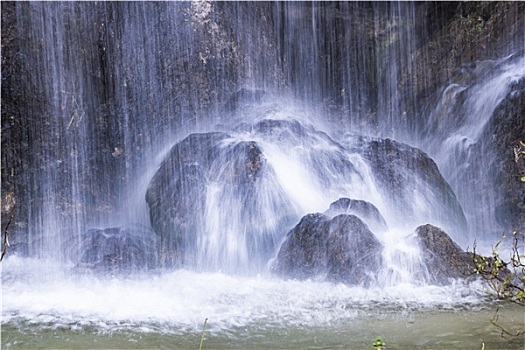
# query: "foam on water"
(179, 301)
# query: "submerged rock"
(442, 257)
(341, 249)
(117, 249)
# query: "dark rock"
(303, 253)
(177, 195)
(442, 257)
(341, 249)
(501, 135)
(364, 210)
(354, 253)
(242, 99)
(117, 250)
(406, 175)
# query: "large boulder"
(338, 249)
(177, 193)
(125, 249)
(441, 256)
(209, 203)
(413, 184)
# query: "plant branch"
(6, 238)
(504, 332)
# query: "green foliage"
(505, 278)
(379, 344)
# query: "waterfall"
(195, 153)
(114, 93)
(117, 91)
(459, 140)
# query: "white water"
(179, 301)
(483, 97)
(457, 139)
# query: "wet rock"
(177, 194)
(115, 250)
(364, 210)
(341, 249)
(242, 99)
(303, 253)
(413, 183)
(442, 257)
(501, 135)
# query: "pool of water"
(46, 306)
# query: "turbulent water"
(44, 306)
(44, 295)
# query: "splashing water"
(178, 302)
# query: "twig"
(501, 275)
(504, 332)
(6, 238)
(202, 336)
(519, 150)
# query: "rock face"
(502, 134)
(364, 210)
(458, 34)
(113, 81)
(340, 249)
(443, 258)
(115, 250)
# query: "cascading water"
(459, 140)
(189, 153)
